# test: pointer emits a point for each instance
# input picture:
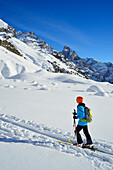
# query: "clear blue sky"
(84, 25)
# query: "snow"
(3, 24)
(35, 57)
(48, 158)
(32, 121)
(12, 64)
(36, 110)
(99, 91)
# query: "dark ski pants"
(85, 130)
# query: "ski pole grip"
(74, 113)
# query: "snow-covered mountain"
(93, 69)
(22, 48)
(33, 50)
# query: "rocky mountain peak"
(70, 54)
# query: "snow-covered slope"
(12, 64)
(36, 111)
(3, 24)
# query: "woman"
(82, 124)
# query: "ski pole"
(74, 122)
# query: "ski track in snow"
(13, 129)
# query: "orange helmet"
(79, 99)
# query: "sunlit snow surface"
(36, 111)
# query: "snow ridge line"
(34, 128)
(48, 132)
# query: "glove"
(74, 113)
(75, 117)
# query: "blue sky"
(86, 26)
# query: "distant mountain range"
(91, 68)
(31, 49)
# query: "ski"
(92, 148)
(71, 143)
(64, 143)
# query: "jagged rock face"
(30, 39)
(9, 47)
(71, 55)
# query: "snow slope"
(12, 64)
(3, 24)
(36, 111)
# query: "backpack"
(88, 114)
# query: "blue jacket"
(81, 115)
